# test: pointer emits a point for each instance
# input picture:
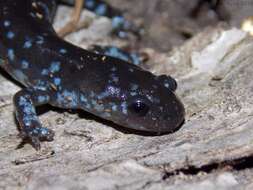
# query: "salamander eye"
(139, 107)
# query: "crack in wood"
(237, 164)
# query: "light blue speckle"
(106, 115)
(134, 87)
(10, 35)
(117, 53)
(68, 99)
(41, 85)
(113, 69)
(87, 106)
(114, 107)
(63, 51)
(92, 94)
(43, 99)
(44, 72)
(83, 98)
(117, 21)
(27, 44)
(122, 34)
(114, 78)
(24, 64)
(99, 107)
(28, 110)
(133, 93)
(19, 75)
(7, 23)
(94, 102)
(11, 54)
(166, 85)
(101, 9)
(40, 40)
(89, 4)
(32, 15)
(43, 131)
(135, 59)
(1, 61)
(55, 66)
(103, 95)
(57, 81)
(124, 108)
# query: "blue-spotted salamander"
(53, 71)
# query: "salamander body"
(53, 71)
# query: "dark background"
(169, 23)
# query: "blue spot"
(7, 23)
(103, 95)
(92, 94)
(99, 107)
(89, 4)
(67, 98)
(124, 108)
(22, 101)
(43, 131)
(43, 99)
(133, 87)
(101, 9)
(122, 34)
(40, 40)
(41, 85)
(135, 59)
(106, 115)
(114, 107)
(94, 102)
(27, 44)
(113, 69)
(117, 21)
(117, 53)
(10, 35)
(87, 106)
(55, 66)
(131, 70)
(63, 51)
(11, 54)
(1, 61)
(115, 79)
(32, 15)
(44, 72)
(24, 64)
(19, 75)
(133, 93)
(83, 98)
(57, 81)
(28, 110)
(166, 85)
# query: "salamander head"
(137, 99)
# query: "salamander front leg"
(30, 126)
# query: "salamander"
(53, 71)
